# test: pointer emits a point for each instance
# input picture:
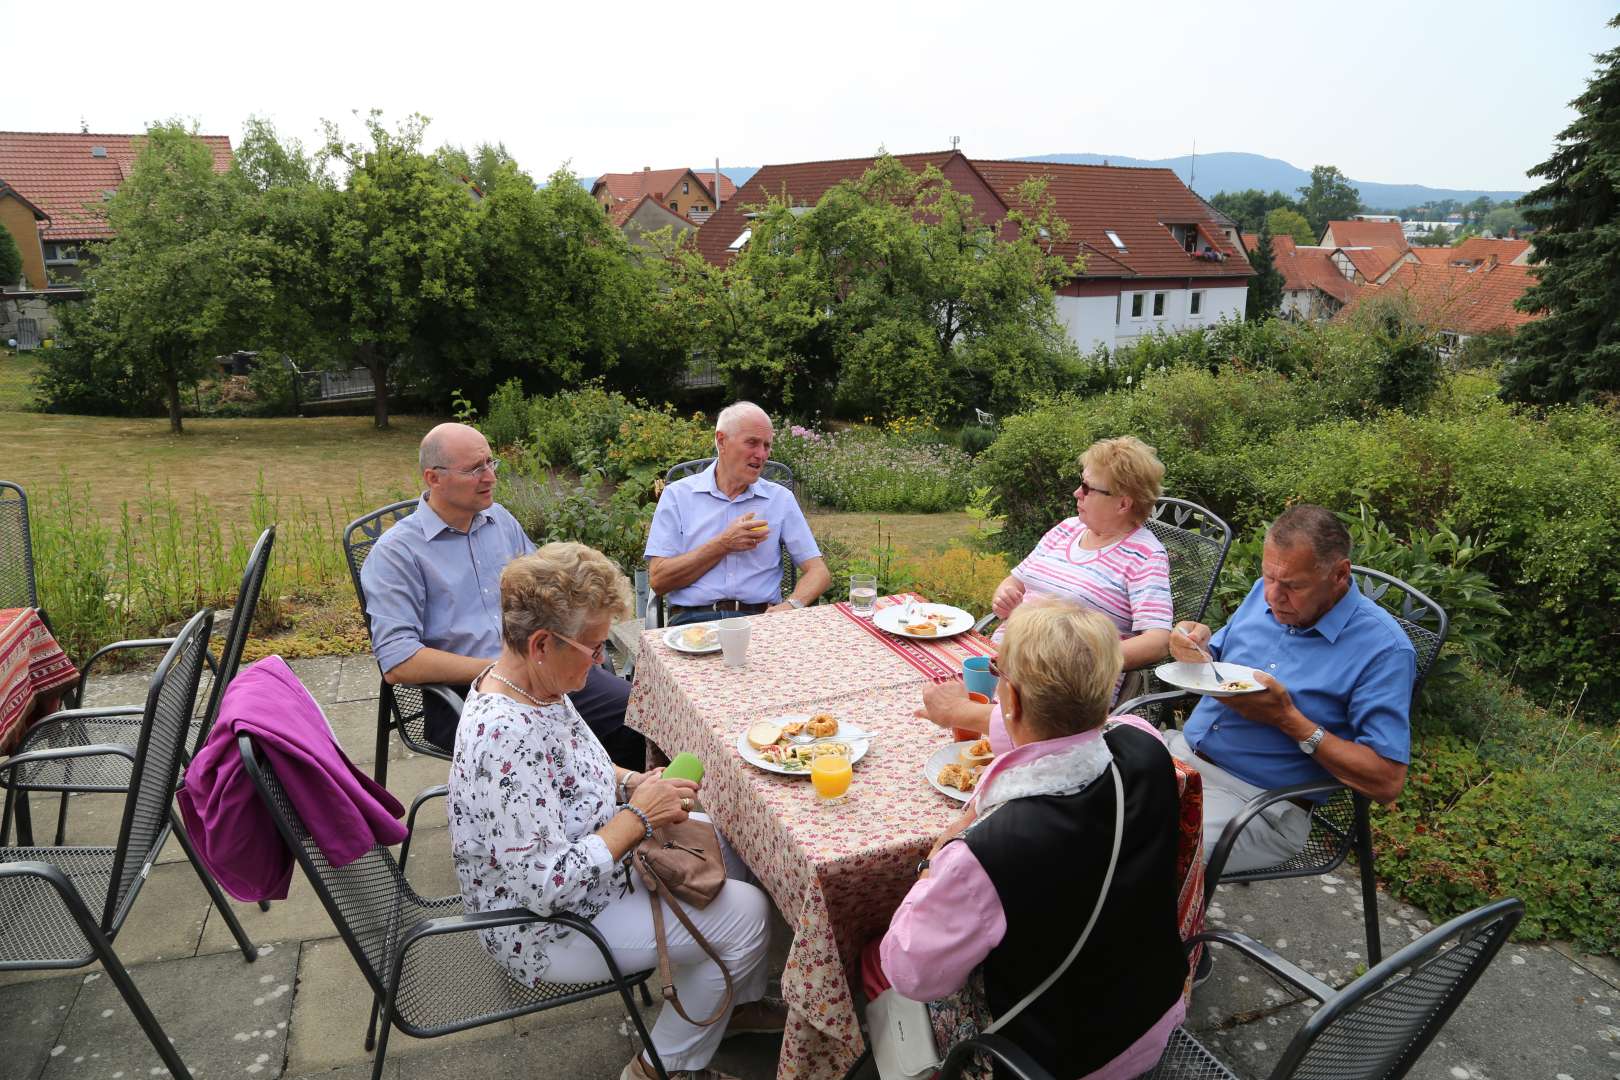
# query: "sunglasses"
(1087, 489)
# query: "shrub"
(649, 441)
(507, 422)
(975, 439)
(866, 470)
(615, 525)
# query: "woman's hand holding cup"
(665, 802)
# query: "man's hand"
(783, 606)
(1195, 651)
(1274, 707)
(744, 534)
(948, 705)
(1009, 594)
(954, 829)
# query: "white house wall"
(1106, 320)
(1088, 319)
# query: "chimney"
(717, 183)
(646, 168)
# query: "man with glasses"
(433, 591)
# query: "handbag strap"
(666, 977)
(1108, 878)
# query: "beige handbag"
(683, 863)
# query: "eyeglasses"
(994, 668)
(493, 465)
(595, 654)
(1087, 489)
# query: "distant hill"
(1237, 172)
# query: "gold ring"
(686, 804)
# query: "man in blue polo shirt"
(1338, 674)
(433, 592)
(715, 546)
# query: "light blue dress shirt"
(693, 510)
(1351, 673)
(430, 585)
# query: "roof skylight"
(1114, 239)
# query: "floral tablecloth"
(838, 871)
(33, 672)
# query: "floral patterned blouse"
(529, 787)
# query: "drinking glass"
(862, 594)
(831, 775)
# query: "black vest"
(1046, 857)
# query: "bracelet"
(645, 824)
(623, 791)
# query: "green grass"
(16, 380)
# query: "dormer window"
(1113, 238)
(741, 241)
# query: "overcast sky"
(1449, 93)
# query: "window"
(1158, 305)
(1119, 307)
(1136, 304)
(61, 253)
(1113, 238)
(698, 208)
(742, 239)
(686, 187)
(1196, 305)
(673, 205)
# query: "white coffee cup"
(734, 641)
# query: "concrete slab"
(357, 679)
(33, 1017)
(321, 675)
(120, 688)
(360, 1070)
(590, 1049)
(409, 774)
(355, 725)
(332, 1006)
(300, 917)
(226, 1018)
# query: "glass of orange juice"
(831, 775)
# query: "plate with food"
(769, 744)
(696, 638)
(1226, 680)
(923, 621)
(954, 769)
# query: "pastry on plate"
(922, 629)
(978, 754)
(763, 734)
(699, 637)
(792, 728)
(960, 777)
(822, 725)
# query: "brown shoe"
(767, 1016)
(638, 1069)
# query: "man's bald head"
(734, 416)
(445, 443)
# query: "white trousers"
(1277, 833)
(736, 924)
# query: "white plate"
(893, 619)
(672, 638)
(857, 749)
(1195, 678)
(946, 755)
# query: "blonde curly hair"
(1063, 660)
(558, 588)
(1133, 470)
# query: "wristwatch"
(795, 601)
(1309, 744)
(922, 866)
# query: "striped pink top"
(1128, 581)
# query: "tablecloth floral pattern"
(836, 871)
(33, 671)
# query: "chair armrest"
(1285, 970)
(65, 715)
(132, 643)
(1163, 698)
(980, 626)
(1240, 821)
(1016, 1061)
(58, 880)
(442, 692)
(438, 791)
(92, 750)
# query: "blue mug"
(976, 676)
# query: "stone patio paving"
(300, 1010)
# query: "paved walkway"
(301, 1009)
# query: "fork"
(1208, 659)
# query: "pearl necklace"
(498, 677)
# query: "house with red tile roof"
(23, 220)
(1477, 249)
(1157, 257)
(685, 191)
(1458, 301)
(70, 175)
(647, 215)
(1314, 287)
(1361, 233)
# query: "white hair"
(734, 414)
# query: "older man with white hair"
(716, 541)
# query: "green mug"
(684, 766)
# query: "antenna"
(1192, 169)
(956, 140)
(84, 127)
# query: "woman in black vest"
(1007, 891)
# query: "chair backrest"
(1375, 1028)
(17, 585)
(367, 899)
(362, 534)
(776, 472)
(247, 602)
(1196, 540)
(1424, 621)
(171, 697)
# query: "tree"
(1439, 237)
(1286, 221)
(1328, 197)
(1266, 287)
(1249, 208)
(164, 289)
(11, 267)
(1504, 219)
(396, 260)
(1573, 351)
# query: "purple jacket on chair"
(345, 810)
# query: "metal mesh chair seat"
(103, 772)
(35, 926)
(17, 584)
(423, 956)
(1186, 1059)
(1333, 833)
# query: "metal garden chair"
(422, 956)
(18, 587)
(62, 907)
(400, 706)
(1340, 822)
(1379, 1025)
(775, 471)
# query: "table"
(33, 672)
(837, 872)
